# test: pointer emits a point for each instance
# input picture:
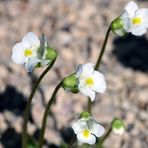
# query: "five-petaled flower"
(26, 52)
(87, 129)
(132, 20)
(90, 81)
(33, 52)
(135, 20)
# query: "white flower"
(90, 80)
(87, 129)
(25, 52)
(135, 20)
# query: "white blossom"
(135, 20)
(25, 52)
(90, 80)
(87, 129)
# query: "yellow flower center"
(28, 52)
(86, 133)
(137, 21)
(89, 81)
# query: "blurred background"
(76, 29)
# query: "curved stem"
(104, 137)
(99, 61)
(27, 109)
(100, 143)
(41, 138)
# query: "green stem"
(27, 109)
(100, 143)
(89, 105)
(105, 136)
(103, 48)
(41, 138)
(99, 61)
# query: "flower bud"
(118, 126)
(117, 27)
(50, 53)
(85, 115)
(71, 83)
(117, 24)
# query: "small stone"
(3, 124)
(143, 99)
(141, 79)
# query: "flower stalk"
(89, 105)
(116, 123)
(99, 61)
(27, 109)
(103, 48)
(100, 143)
(41, 138)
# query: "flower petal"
(131, 8)
(31, 64)
(138, 30)
(143, 14)
(90, 140)
(85, 70)
(79, 70)
(76, 127)
(31, 39)
(18, 54)
(126, 21)
(99, 82)
(88, 92)
(97, 129)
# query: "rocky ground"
(76, 29)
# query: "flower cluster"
(32, 52)
(133, 20)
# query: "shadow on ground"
(11, 139)
(15, 102)
(132, 52)
(12, 100)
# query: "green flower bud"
(117, 27)
(50, 53)
(85, 115)
(71, 83)
(117, 24)
(118, 126)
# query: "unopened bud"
(117, 27)
(85, 115)
(118, 126)
(50, 53)
(71, 83)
